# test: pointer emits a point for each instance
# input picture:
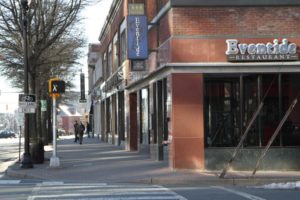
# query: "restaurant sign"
(276, 51)
(137, 37)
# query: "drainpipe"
(161, 13)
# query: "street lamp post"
(26, 161)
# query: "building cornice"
(111, 14)
(214, 68)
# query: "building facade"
(214, 72)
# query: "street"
(35, 189)
(9, 151)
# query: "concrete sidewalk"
(100, 162)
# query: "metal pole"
(280, 104)
(255, 115)
(259, 100)
(244, 136)
(54, 160)
(26, 161)
(241, 103)
(20, 137)
(264, 152)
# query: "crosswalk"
(101, 191)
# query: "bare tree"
(54, 36)
(55, 41)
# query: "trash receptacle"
(37, 152)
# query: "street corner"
(16, 171)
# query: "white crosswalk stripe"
(102, 191)
(9, 182)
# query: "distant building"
(66, 117)
(182, 79)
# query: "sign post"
(56, 87)
(54, 160)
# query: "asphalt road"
(37, 190)
(9, 152)
(235, 193)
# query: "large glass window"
(104, 64)
(144, 111)
(116, 51)
(109, 58)
(123, 48)
(232, 100)
(222, 124)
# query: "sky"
(95, 16)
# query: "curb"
(12, 173)
(201, 181)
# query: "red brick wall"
(236, 21)
(207, 49)
(187, 148)
(198, 34)
(165, 27)
(114, 27)
(151, 9)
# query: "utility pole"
(26, 161)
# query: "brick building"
(211, 67)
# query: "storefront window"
(231, 101)
(145, 116)
(121, 117)
(105, 66)
(116, 52)
(109, 58)
(123, 49)
(221, 112)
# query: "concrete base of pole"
(54, 162)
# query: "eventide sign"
(276, 51)
(137, 37)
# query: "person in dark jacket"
(76, 131)
(88, 128)
(81, 132)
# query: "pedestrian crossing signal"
(56, 86)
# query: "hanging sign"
(276, 51)
(137, 34)
(82, 89)
(43, 105)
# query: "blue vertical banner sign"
(137, 34)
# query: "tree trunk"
(37, 146)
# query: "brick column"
(187, 148)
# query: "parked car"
(7, 134)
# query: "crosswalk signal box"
(56, 86)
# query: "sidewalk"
(100, 162)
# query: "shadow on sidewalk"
(94, 161)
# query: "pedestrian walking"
(81, 132)
(76, 131)
(88, 128)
